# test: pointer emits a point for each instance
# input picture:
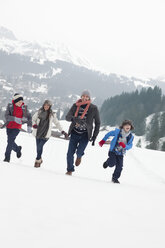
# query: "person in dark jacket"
(122, 141)
(16, 114)
(43, 121)
(82, 116)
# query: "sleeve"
(97, 123)
(8, 115)
(34, 118)
(57, 123)
(130, 143)
(71, 113)
(111, 133)
(29, 118)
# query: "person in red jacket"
(16, 114)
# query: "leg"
(40, 143)
(83, 142)
(71, 151)
(111, 161)
(119, 167)
(11, 145)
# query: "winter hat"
(17, 97)
(127, 122)
(86, 92)
(48, 102)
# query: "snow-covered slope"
(44, 208)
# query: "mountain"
(53, 71)
(44, 208)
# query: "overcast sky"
(117, 36)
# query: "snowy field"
(44, 208)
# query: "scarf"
(78, 104)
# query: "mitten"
(93, 140)
(65, 134)
(101, 143)
(35, 126)
(122, 144)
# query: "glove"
(93, 140)
(18, 120)
(35, 126)
(29, 129)
(101, 143)
(122, 144)
(65, 134)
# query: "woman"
(42, 121)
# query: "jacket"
(92, 116)
(115, 133)
(53, 119)
(14, 111)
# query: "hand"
(122, 144)
(65, 134)
(101, 143)
(18, 120)
(93, 140)
(29, 129)
(35, 126)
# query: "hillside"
(45, 208)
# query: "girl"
(42, 121)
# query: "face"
(46, 107)
(18, 104)
(127, 128)
(84, 98)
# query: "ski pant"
(77, 143)
(115, 160)
(11, 145)
(40, 143)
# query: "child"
(121, 142)
(16, 114)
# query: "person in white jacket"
(42, 122)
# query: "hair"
(127, 122)
(49, 111)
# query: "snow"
(45, 208)
(142, 84)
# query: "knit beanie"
(17, 97)
(86, 92)
(48, 102)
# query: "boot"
(37, 163)
(69, 173)
(105, 165)
(6, 160)
(78, 161)
(19, 154)
(115, 180)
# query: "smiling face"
(127, 128)
(85, 98)
(19, 104)
(46, 106)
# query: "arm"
(34, 118)
(130, 144)
(8, 114)
(57, 123)
(111, 133)
(71, 113)
(97, 123)
(29, 118)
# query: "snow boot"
(69, 173)
(115, 180)
(78, 161)
(19, 154)
(6, 160)
(105, 165)
(37, 163)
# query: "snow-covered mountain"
(45, 208)
(40, 51)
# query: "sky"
(123, 36)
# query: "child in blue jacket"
(122, 141)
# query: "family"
(84, 127)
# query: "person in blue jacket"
(122, 141)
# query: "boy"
(121, 142)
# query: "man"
(82, 115)
(16, 114)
